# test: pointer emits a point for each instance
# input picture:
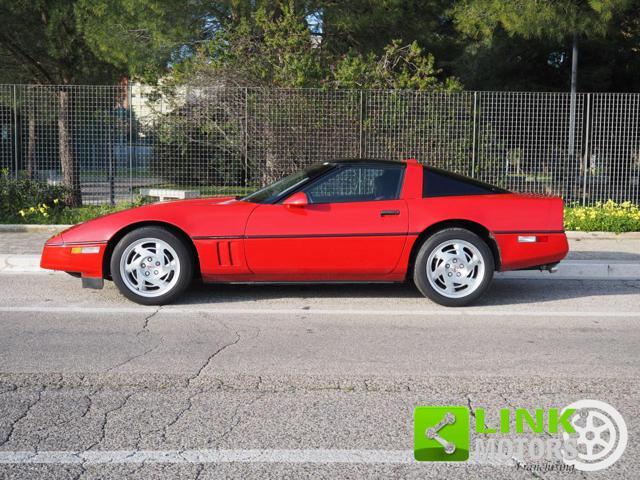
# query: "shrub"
(55, 213)
(70, 216)
(603, 217)
(23, 194)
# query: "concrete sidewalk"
(596, 255)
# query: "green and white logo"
(441, 434)
(588, 435)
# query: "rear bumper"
(83, 258)
(519, 250)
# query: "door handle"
(387, 213)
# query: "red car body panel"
(238, 241)
(340, 238)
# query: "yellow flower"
(32, 209)
(45, 214)
(21, 212)
(56, 201)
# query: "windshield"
(272, 192)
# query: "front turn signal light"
(85, 250)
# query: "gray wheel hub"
(149, 267)
(455, 268)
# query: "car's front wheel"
(151, 266)
(453, 267)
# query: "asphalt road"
(295, 381)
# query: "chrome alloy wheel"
(455, 268)
(149, 267)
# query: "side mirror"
(297, 200)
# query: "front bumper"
(83, 258)
(520, 250)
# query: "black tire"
(485, 275)
(183, 255)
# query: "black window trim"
(340, 166)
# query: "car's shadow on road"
(501, 292)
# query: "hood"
(193, 216)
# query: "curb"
(582, 270)
(567, 270)
(574, 235)
(13, 228)
(21, 264)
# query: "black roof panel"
(366, 160)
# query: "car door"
(353, 227)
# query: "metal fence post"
(572, 126)
(15, 132)
(246, 137)
(587, 153)
(361, 124)
(130, 135)
(473, 134)
(111, 169)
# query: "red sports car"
(341, 221)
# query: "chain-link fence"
(109, 142)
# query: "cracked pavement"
(87, 381)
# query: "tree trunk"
(573, 165)
(572, 106)
(270, 174)
(574, 64)
(31, 143)
(70, 177)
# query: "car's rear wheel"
(151, 266)
(453, 267)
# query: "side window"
(440, 183)
(357, 183)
